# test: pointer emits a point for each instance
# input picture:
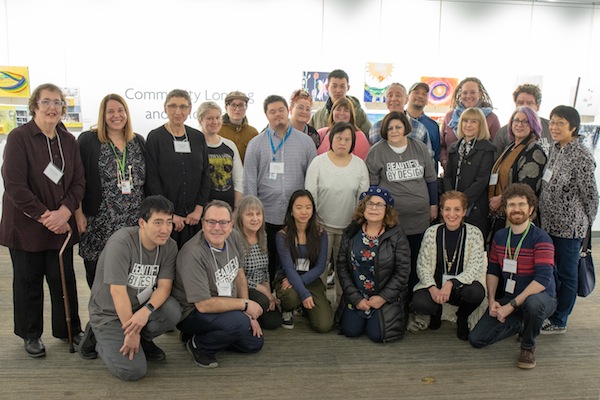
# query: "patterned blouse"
(257, 266)
(569, 198)
(362, 255)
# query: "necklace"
(372, 237)
(459, 243)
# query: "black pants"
(272, 249)
(466, 297)
(29, 269)
(90, 271)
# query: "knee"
(476, 339)
(256, 345)
(134, 373)
(323, 326)
(172, 311)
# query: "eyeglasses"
(238, 106)
(376, 206)
(522, 122)
(302, 108)
(211, 223)
(47, 103)
(182, 107)
(517, 205)
(559, 124)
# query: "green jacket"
(320, 119)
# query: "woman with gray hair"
(226, 170)
(177, 166)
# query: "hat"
(379, 191)
(419, 84)
(236, 94)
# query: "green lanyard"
(121, 163)
(519, 245)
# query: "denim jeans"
(566, 260)
(527, 320)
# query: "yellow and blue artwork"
(14, 82)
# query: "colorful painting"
(378, 76)
(72, 118)
(314, 83)
(14, 82)
(441, 90)
(8, 119)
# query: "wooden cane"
(64, 289)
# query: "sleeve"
(493, 124)
(474, 257)
(531, 169)
(435, 139)
(449, 177)
(15, 171)
(399, 279)
(543, 253)
(117, 259)
(373, 166)
(251, 160)
(289, 268)
(311, 181)
(74, 194)
(361, 120)
(205, 183)
(311, 153)
(194, 275)
(363, 185)
(494, 267)
(446, 130)
(315, 272)
(586, 185)
(427, 259)
(167, 266)
(152, 154)
(238, 168)
(343, 266)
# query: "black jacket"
(473, 181)
(392, 268)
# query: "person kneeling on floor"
(523, 256)
(130, 302)
(211, 286)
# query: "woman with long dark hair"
(302, 249)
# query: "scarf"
(458, 112)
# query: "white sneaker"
(288, 320)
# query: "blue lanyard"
(275, 150)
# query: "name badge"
(510, 286)
(224, 288)
(547, 175)
(302, 265)
(276, 168)
(509, 266)
(493, 179)
(125, 186)
(145, 294)
(182, 147)
(53, 173)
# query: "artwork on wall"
(378, 76)
(587, 96)
(14, 82)
(441, 90)
(72, 119)
(314, 83)
(12, 116)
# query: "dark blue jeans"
(566, 260)
(220, 331)
(354, 323)
(527, 320)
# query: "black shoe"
(76, 340)
(436, 322)
(35, 348)
(152, 351)
(201, 358)
(87, 345)
(462, 328)
(184, 337)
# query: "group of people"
(224, 231)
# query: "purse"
(587, 275)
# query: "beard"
(517, 218)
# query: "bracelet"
(245, 305)
(150, 307)
(513, 303)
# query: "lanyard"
(275, 150)
(62, 157)
(518, 248)
(213, 249)
(121, 164)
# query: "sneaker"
(526, 359)
(184, 337)
(152, 351)
(201, 358)
(553, 329)
(87, 346)
(288, 320)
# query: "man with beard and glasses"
(522, 257)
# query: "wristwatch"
(245, 305)
(150, 307)
(513, 303)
